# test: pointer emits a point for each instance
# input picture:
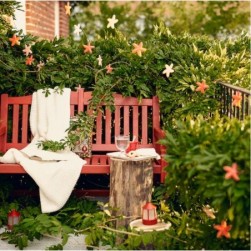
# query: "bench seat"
(130, 116)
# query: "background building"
(45, 19)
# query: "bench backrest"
(129, 117)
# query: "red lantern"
(13, 218)
(149, 215)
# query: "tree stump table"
(131, 184)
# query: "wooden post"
(130, 187)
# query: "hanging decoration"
(168, 70)
(67, 9)
(88, 48)
(237, 98)
(209, 211)
(223, 229)
(99, 58)
(111, 22)
(138, 49)
(15, 40)
(29, 60)
(27, 50)
(202, 86)
(77, 29)
(9, 19)
(232, 172)
(109, 68)
(40, 65)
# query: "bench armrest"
(158, 135)
(161, 150)
(3, 135)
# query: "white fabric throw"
(55, 173)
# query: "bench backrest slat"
(15, 124)
(108, 126)
(99, 129)
(117, 120)
(130, 116)
(25, 123)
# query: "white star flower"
(112, 21)
(27, 50)
(77, 29)
(40, 65)
(168, 70)
(99, 60)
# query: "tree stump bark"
(130, 187)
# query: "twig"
(119, 231)
(51, 236)
(175, 238)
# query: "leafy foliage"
(197, 153)
(198, 148)
(81, 127)
(213, 18)
(195, 58)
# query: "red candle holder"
(149, 215)
(13, 218)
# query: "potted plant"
(80, 134)
(79, 138)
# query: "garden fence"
(226, 93)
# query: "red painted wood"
(15, 124)
(80, 94)
(25, 124)
(99, 129)
(76, 192)
(26, 100)
(79, 99)
(156, 117)
(108, 125)
(72, 112)
(4, 109)
(144, 124)
(95, 160)
(86, 169)
(126, 120)
(91, 192)
(135, 127)
(117, 121)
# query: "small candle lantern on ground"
(13, 218)
(149, 215)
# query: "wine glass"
(122, 142)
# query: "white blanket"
(55, 173)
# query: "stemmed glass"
(122, 142)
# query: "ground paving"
(74, 243)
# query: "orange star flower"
(67, 9)
(201, 86)
(14, 40)
(237, 99)
(88, 48)
(138, 49)
(232, 172)
(109, 68)
(223, 229)
(29, 60)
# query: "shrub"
(198, 153)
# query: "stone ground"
(74, 243)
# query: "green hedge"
(194, 59)
(197, 153)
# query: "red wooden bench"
(131, 116)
